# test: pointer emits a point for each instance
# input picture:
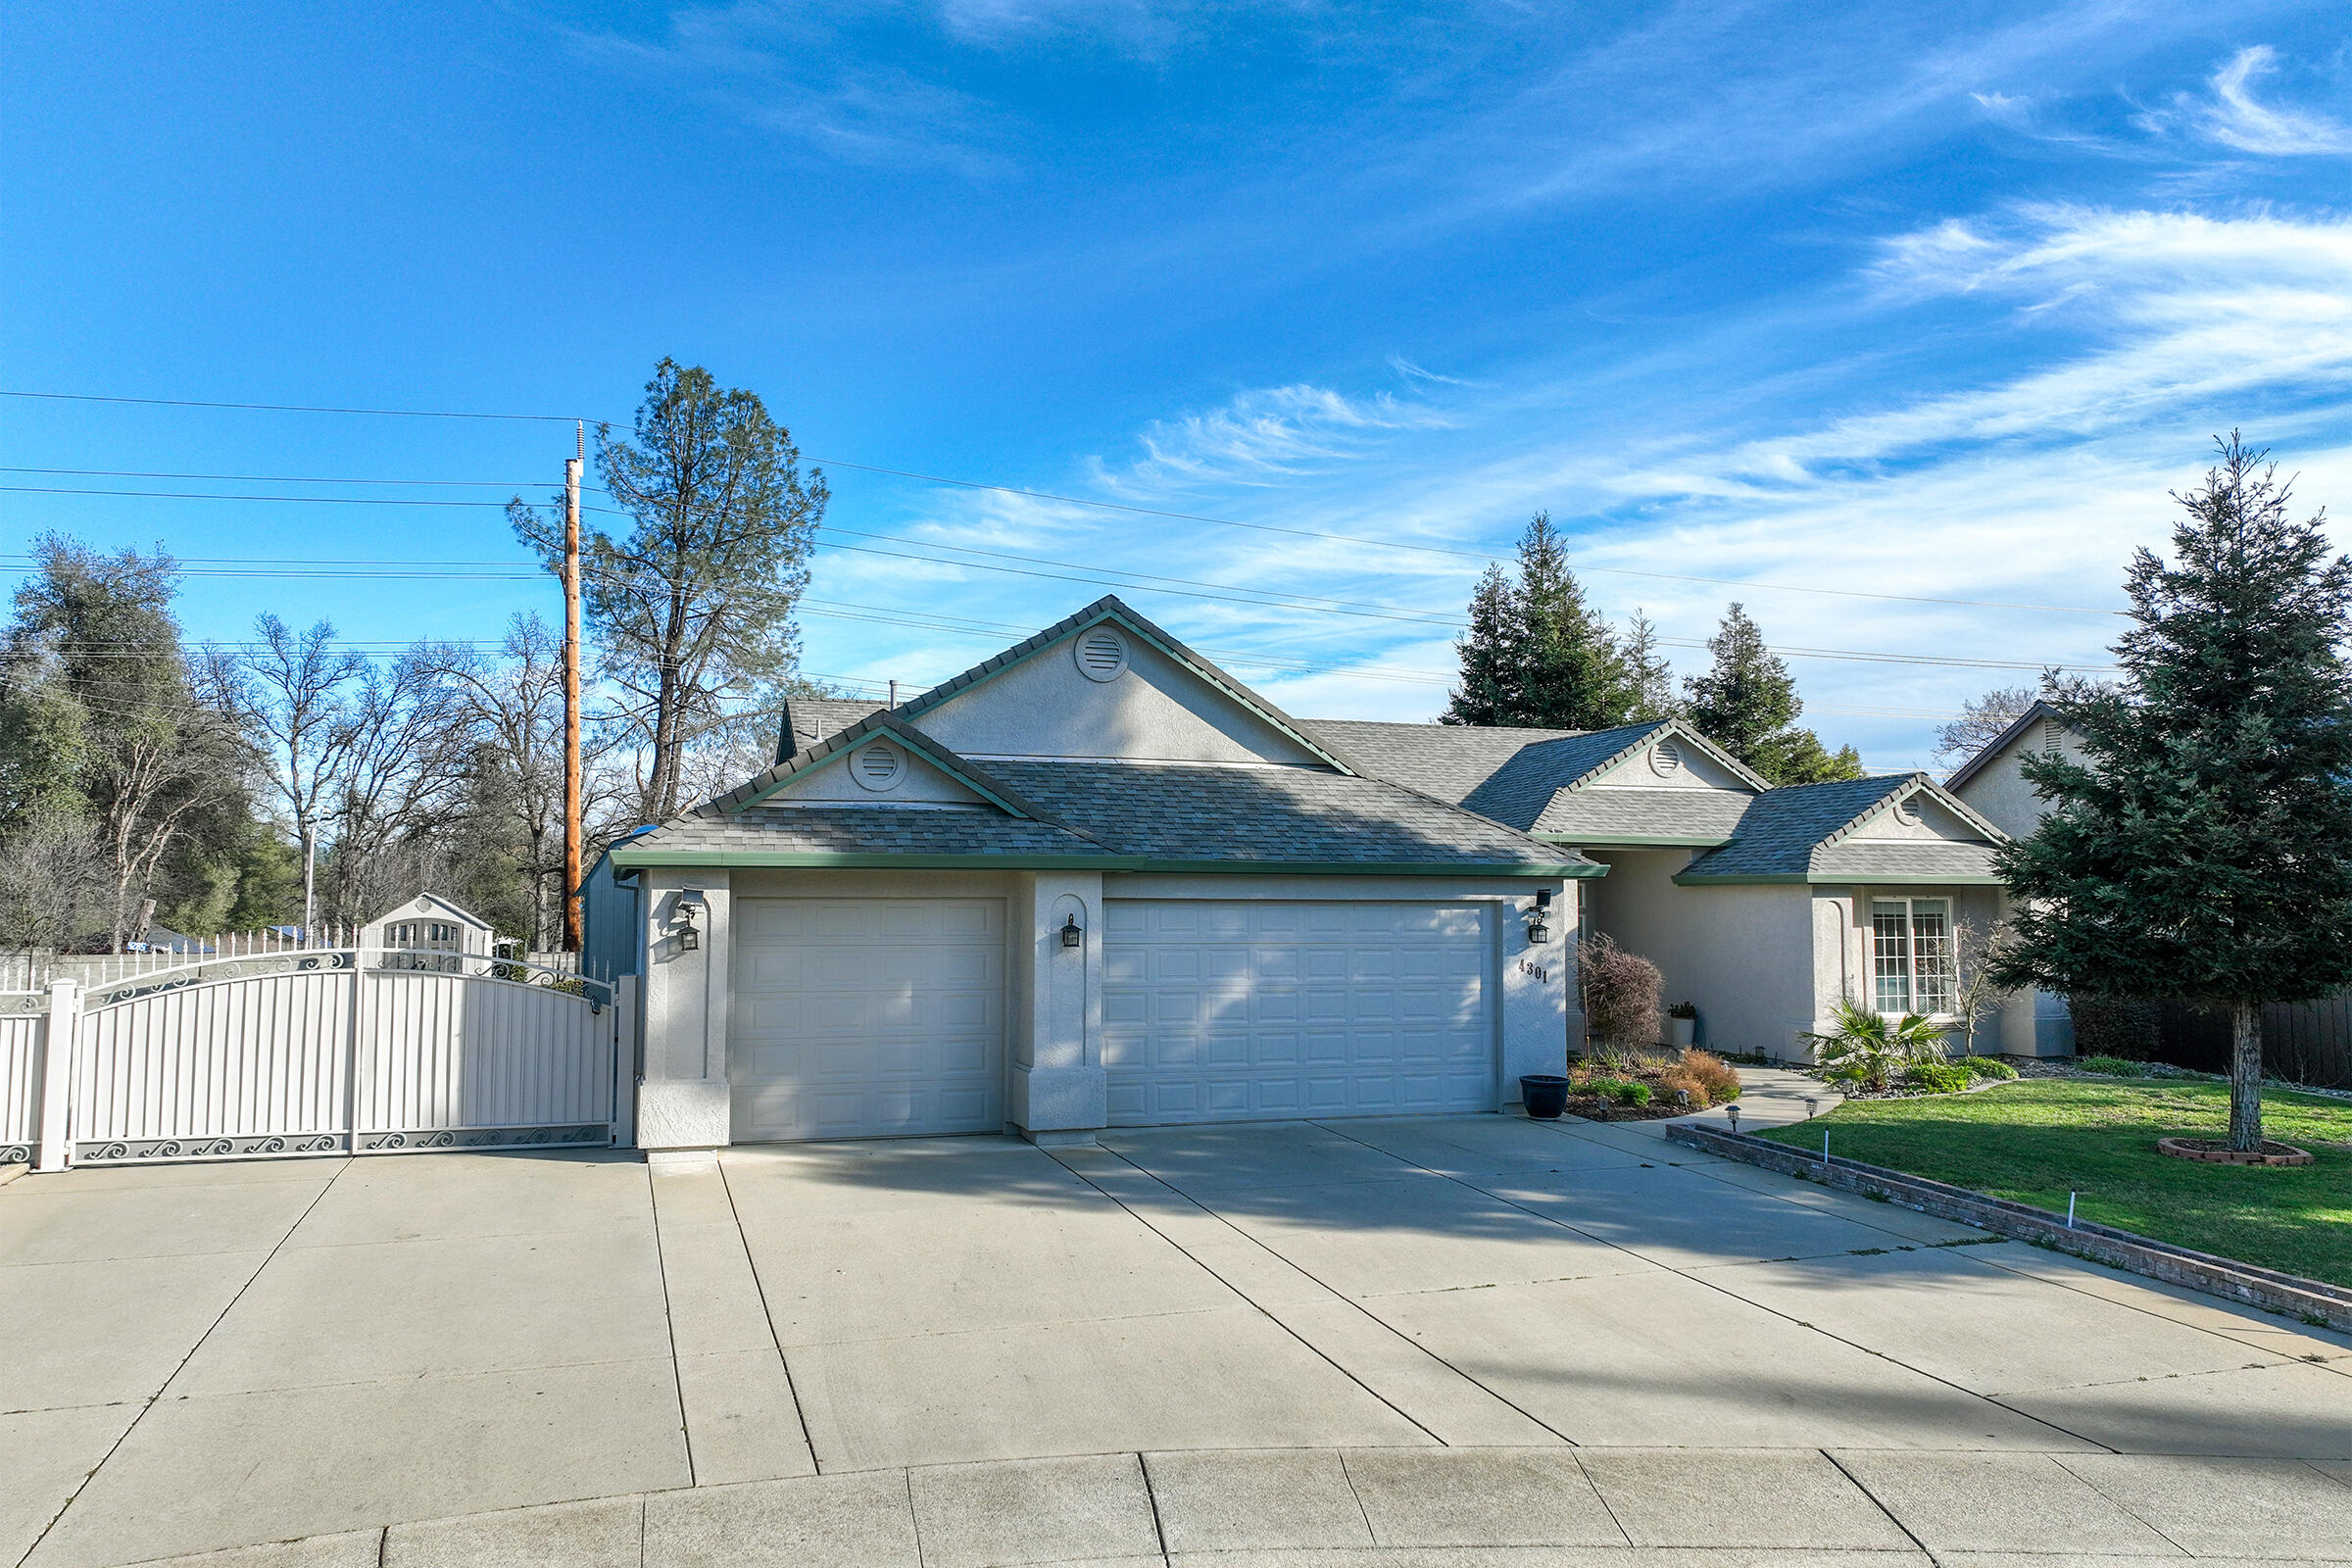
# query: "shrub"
(2113, 1026)
(1984, 1068)
(2112, 1066)
(1704, 1076)
(1620, 991)
(1633, 1094)
(1938, 1077)
(1866, 1048)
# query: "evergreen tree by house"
(1746, 702)
(1534, 653)
(1489, 693)
(1647, 672)
(2199, 850)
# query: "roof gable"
(2020, 728)
(836, 750)
(1158, 702)
(430, 906)
(1822, 833)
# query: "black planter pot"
(1545, 1094)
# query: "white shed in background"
(429, 933)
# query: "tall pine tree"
(1490, 690)
(2199, 850)
(1746, 702)
(1534, 653)
(1575, 675)
(1648, 675)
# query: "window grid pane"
(1891, 955)
(1932, 950)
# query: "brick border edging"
(2225, 1277)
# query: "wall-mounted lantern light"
(690, 904)
(1537, 932)
(1071, 936)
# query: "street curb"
(2313, 1300)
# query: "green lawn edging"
(2314, 1301)
(2037, 1140)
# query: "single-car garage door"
(1218, 1011)
(867, 1017)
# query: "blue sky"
(1926, 301)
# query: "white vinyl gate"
(317, 1051)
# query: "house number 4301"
(1540, 971)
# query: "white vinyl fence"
(314, 1052)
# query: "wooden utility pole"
(572, 695)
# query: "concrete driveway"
(1344, 1337)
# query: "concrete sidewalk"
(1332, 1508)
(209, 1356)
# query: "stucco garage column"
(683, 1098)
(1056, 1092)
(1540, 1021)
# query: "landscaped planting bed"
(1645, 1085)
(2038, 1140)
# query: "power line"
(267, 478)
(301, 407)
(1114, 506)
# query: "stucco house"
(1996, 787)
(1092, 881)
(1761, 905)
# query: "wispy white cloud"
(2230, 114)
(795, 73)
(1265, 434)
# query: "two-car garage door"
(1234, 1011)
(869, 1017)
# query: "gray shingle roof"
(1180, 811)
(810, 720)
(1920, 858)
(1166, 811)
(1689, 816)
(1799, 829)
(1530, 778)
(1445, 760)
(975, 830)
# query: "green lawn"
(2033, 1140)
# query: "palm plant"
(1868, 1047)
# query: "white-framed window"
(427, 945)
(1912, 963)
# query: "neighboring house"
(1761, 905)
(428, 932)
(1092, 881)
(1993, 784)
(611, 944)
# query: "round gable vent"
(878, 766)
(1101, 654)
(1906, 814)
(1665, 759)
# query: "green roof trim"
(752, 860)
(1842, 879)
(1632, 841)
